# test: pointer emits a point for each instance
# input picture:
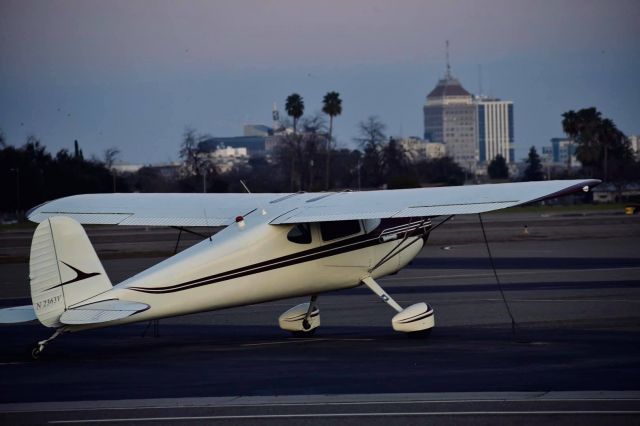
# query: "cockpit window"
(300, 234)
(339, 229)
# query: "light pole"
(17, 170)
(204, 181)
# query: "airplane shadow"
(222, 360)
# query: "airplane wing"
(431, 202)
(190, 210)
(221, 209)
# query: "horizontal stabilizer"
(108, 310)
(17, 314)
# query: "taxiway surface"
(572, 283)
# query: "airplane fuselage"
(253, 261)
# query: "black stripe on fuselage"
(351, 244)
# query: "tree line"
(604, 152)
(306, 158)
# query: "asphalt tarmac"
(573, 355)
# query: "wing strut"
(375, 287)
(495, 274)
(392, 253)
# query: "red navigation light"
(239, 219)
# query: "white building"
(417, 149)
(413, 148)
(435, 150)
(126, 167)
(494, 129)
(634, 142)
(226, 158)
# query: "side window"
(300, 234)
(339, 229)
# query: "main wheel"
(35, 353)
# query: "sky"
(134, 74)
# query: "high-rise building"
(494, 129)
(450, 118)
(474, 129)
(559, 151)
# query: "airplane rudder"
(64, 268)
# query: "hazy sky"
(133, 74)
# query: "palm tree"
(570, 126)
(609, 134)
(332, 106)
(295, 108)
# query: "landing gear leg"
(35, 353)
(375, 287)
(416, 320)
(312, 306)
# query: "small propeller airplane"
(274, 246)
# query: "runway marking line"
(285, 342)
(487, 274)
(231, 404)
(338, 415)
(561, 300)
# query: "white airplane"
(274, 246)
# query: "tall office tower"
(494, 129)
(450, 118)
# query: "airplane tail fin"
(63, 268)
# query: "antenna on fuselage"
(246, 188)
(206, 221)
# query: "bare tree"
(195, 162)
(313, 137)
(372, 139)
(110, 156)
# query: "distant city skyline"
(134, 74)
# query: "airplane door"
(345, 239)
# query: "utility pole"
(17, 170)
(204, 181)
